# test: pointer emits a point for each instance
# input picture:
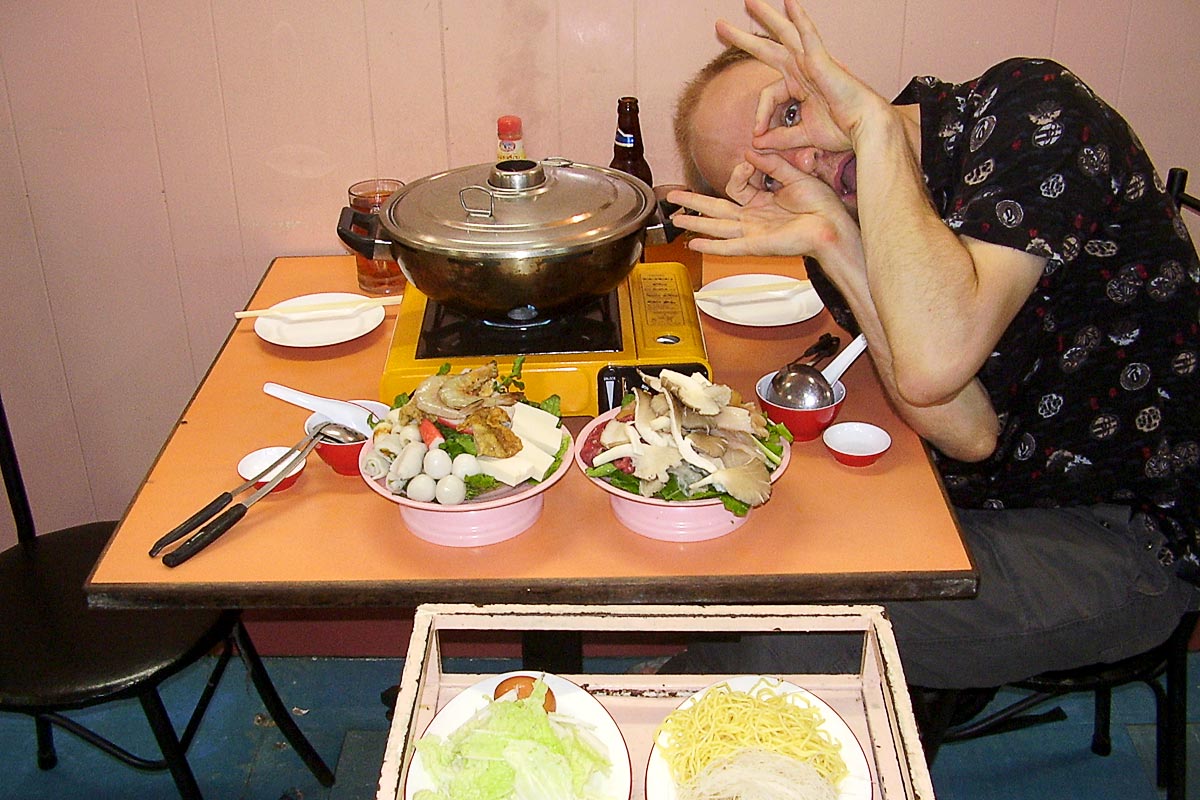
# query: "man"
(1031, 301)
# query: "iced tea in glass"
(376, 275)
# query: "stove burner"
(592, 328)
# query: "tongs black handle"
(220, 501)
(191, 523)
(207, 535)
(215, 529)
(824, 347)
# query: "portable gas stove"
(588, 356)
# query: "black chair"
(59, 655)
(1168, 660)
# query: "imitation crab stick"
(430, 434)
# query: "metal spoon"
(800, 384)
(341, 434)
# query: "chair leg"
(1102, 727)
(276, 708)
(47, 756)
(1172, 747)
(168, 742)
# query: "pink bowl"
(668, 521)
(254, 463)
(857, 444)
(805, 424)
(343, 457)
(504, 514)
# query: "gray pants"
(1058, 588)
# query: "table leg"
(553, 651)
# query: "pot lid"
(517, 209)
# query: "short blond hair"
(685, 108)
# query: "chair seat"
(55, 656)
(1140, 667)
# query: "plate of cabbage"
(756, 731)
(512, 748)
(684, 459)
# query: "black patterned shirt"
(1096, 381)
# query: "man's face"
(723, 123)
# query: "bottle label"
(623, 139)
(510, 150)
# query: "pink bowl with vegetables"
(495, 517)
(667, 520)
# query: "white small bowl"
(254, 463)
(856, 444)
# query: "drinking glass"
(376, 275)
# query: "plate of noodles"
(755, 730)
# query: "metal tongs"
(213, 530)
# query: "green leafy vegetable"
(513, 749)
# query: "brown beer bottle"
(629, 153)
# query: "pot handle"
(473, 211)
(368, 245)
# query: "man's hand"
(802, 216)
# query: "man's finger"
(777, 24)
(766, 50)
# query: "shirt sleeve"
(1035, 163)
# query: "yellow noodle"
(724, 721)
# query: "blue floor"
(238, 757)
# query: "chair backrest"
(18, 500)
(1176, 184)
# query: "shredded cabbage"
(514, 750)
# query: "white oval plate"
(855, 786)
(571, 700)
(760, 310)
(319, 328)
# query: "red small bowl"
(857, 444)
(343, 458)
(254, 463)
(805, 424)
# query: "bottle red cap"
(508, 125)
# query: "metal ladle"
(341, 434)
(800, 384)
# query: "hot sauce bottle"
(510, 143)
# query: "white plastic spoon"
(339, 411)
(843, 360)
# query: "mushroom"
(750, 483)
(695, 391)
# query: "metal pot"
(516, 241)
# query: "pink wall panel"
(673, 41)
(298, 119)
(500, 58)
(89, 159)
(32, 382)
(1159, 84)
(153, 168)
(598, 62)
(1090, 37)
(189, 123)
(956, 41)
(407, 89)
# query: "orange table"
(829, 533)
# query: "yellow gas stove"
(589, 357)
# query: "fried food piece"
(493, 437)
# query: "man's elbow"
(929, 382)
